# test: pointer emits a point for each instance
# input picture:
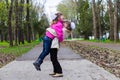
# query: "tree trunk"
(95, 27)
(2, 39)
(6, 38)
(10, 24)
(103, 31)
(20, 28)
(20, 25)
(21, 22)
(28, 23)
(7, 34)
(116, 36)
(111, 20)
(16, 22)
(99, 18)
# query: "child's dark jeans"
(46, 50)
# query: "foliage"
(85, 19)
(26, 21)
(68, 8)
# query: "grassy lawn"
(16, 50)
(8, 54)
(75, 39)
(4, 44)
(103, 41)
(99, 41)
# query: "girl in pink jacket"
(47, 40)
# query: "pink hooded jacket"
(58, 29)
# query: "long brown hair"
(69, 25)
(54, 21)
(57, 16)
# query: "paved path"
(74, 68)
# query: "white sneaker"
(57, 75)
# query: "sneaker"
(52, 74)
(57, 75)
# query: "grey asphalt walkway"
(74, 68)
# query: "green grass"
(16, 50)
(99, 41)
(75, 39)
(103, 41)
(4, 44)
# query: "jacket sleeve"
(58, 29)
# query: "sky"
(52, 4)
(51, 7)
